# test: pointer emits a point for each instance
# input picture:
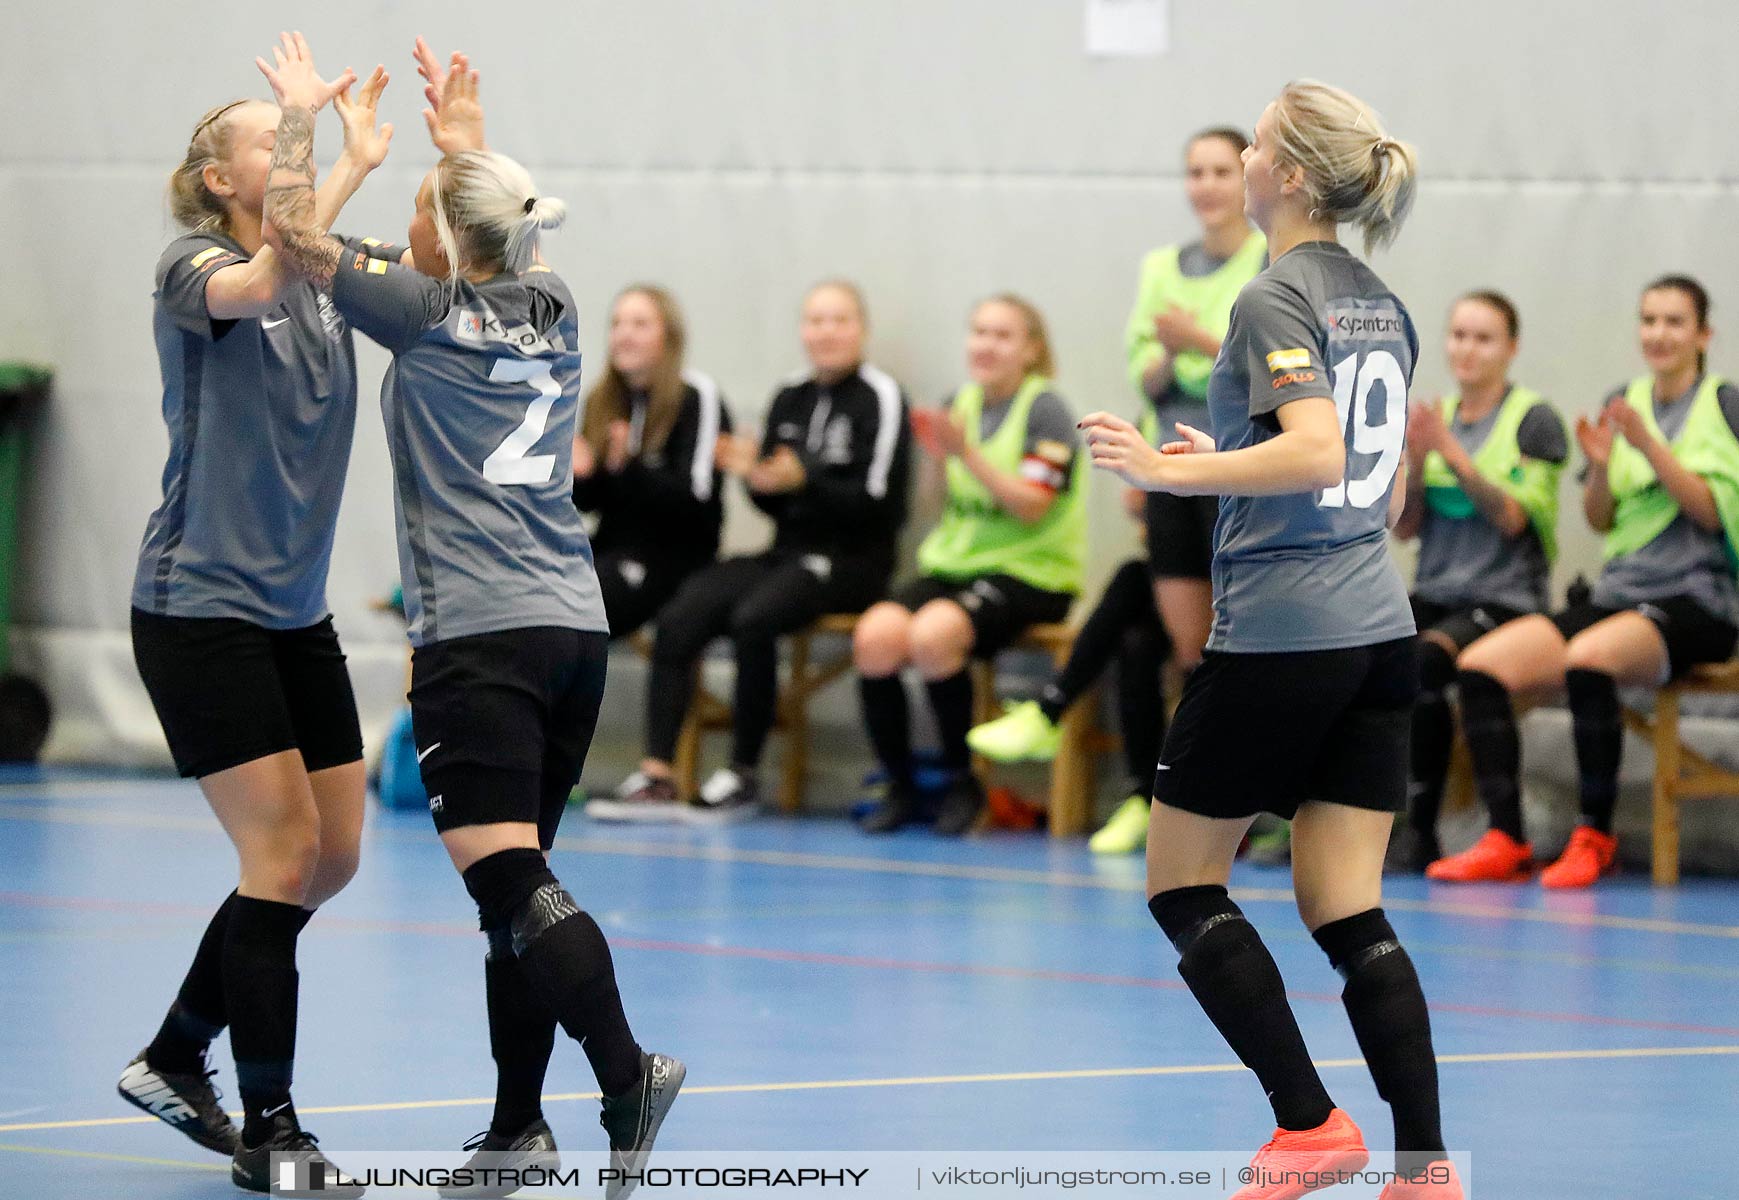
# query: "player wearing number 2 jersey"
(481, 406)
(1312, 650)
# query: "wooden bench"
(1072, 772)
(1680, 773)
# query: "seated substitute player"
(481, 403)
(1007, 554)
(830, 470)
(1124, 627)
(1313, 652)
(644, 461)
(1482, 498)
(1663, 487)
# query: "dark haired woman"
(1482, 498)
(1663, 487)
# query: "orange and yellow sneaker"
(1495, 858)
(1298, 1162)
(1435, 1182)
(1589, 855)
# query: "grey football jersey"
(1684, 559)
(481, 403)
(260, 414)
(1311, 571)
(1467, 561)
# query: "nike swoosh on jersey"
(265, 324)
(428, 752)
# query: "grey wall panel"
(739, 150)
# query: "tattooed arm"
(291, 210)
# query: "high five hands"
(455, 112)
(294, 80)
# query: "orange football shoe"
(1589, 855)
(1439, 1182)
(1298, 1162)
(1495, 858)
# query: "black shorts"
(228, 691)
(1267, 732)
(1692, 633)
(1180, 535)
(1463, 626)
(1000, 607)
(503, 722)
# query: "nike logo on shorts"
(265, 324)
(427, 752)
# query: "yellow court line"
(817, 1085)
(891, 866)
(132, 1159)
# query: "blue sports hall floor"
(830, 991)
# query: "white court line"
(891, 866)
(1514, 1056)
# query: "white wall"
(738, 149)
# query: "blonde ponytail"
(192, 205)
(1354, 172)
(488, 213)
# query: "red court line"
(863, 962)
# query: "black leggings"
(635, 586)
(1124, 626)
(752, 601)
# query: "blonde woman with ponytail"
(1303, 701)
(230, 626)
(481, 403)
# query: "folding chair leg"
(1666, 779)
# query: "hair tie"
(530, 204)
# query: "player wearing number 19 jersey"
(1303, 702)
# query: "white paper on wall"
(1128, 28)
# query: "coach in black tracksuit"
(831, 473)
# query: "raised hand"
(1177, 329)
(364, 143)
(1627, 422)
(455, 118)
(433, 73)
(616, 446)
(735, 454)
(294, 80)
(585, 462)
(1595, 438)
(1117, 446)
(1194, 441)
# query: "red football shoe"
(1298, 1162)
(1441, 1183)
(1495, 858)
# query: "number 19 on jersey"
(1353, 382)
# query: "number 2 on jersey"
(1352, 394)
(508, 465)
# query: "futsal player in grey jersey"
(1663, 486)
(1312, 644)
(1482, 498)
(230, 626)
(481, 407)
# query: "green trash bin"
(25, 711)
(23, 388)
